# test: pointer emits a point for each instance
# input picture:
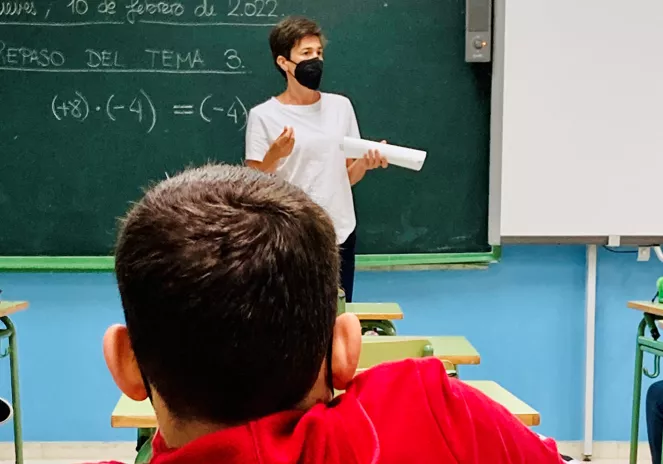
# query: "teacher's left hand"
(373, 159)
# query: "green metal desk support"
(9, 332)
(379, 327)
(644, 344)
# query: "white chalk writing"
(153, 8)
(201, 13)
(106, 7)
(103, 58)
(17, 8)
(79, 7)
(141, 109)
(204, 10)
(170, 59)
(253, 8)
(21, 56)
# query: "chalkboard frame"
(103, 264)
(107, 263)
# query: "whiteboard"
(582, 140)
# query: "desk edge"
(645, 306)
(378, 316)
(133, 422)
(15, 307)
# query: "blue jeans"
(654, 410)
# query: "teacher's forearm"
(268, 164)
(356, 172)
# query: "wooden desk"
(11, 307)
(644, 344)
(375, 311)
(655, 309)
(8, 308)
(456, 350)
(133, 414)
(527, 415)
(376, 317)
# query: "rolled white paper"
(408, 158)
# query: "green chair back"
(377, 350)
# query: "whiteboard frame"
(496, 126)
(495, 237)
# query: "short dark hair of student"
(287, 34)
(229, 283)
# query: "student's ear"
(283, 63)
(122, 364)
(346, 348)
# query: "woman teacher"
(297, 135)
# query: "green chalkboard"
(102, 97)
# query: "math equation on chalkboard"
(145, 112)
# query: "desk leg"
(144, 446)
(451, 368)
(16, 395)
(637, 393)
(144, 435)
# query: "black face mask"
(309, 73)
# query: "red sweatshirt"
(397, 413)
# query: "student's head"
(229, 283)
(293, 40)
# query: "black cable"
(620, 252)
(655, 334)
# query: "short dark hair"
(288, 32)
(229, 283)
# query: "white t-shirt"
(316, 164)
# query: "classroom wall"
(525, 315)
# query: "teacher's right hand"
(284, 144)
